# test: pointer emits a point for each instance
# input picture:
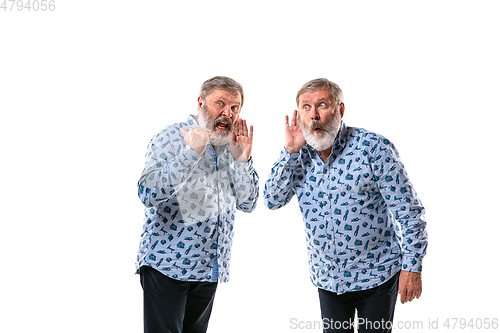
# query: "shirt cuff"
(246, 167)
(291, 158)
(412, 264)
(188, 156)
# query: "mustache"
(316, 124)
(229, 122)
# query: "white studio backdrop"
(84, 87)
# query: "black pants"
(173, 306)
(375, 308)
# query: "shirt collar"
(341, 139)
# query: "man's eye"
(220, 103)
(306, 107)
(234, 108)
(322, 105)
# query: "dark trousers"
(375, 308)
(173, 306)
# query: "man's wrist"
(291, 151)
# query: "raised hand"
(241, 141)
(197, 138)
(294, 139)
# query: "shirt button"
(220, 229)
(325, 175)
(330, 242)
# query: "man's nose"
(314, 114)
(227, 112)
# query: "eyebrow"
(322, 99)
(226, 101)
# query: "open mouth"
(317, 129)
(222, 126)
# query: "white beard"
(325, 139)
(219, 138)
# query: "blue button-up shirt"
(363, 219)
(190, 202)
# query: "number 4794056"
(28, 5)
(473, 323)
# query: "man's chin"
(319, 142)
(220, 140)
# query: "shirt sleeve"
(279, 188)
(167, 168)
(403, 202)
(246, 186)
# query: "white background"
(85, 87)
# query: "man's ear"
(200, 103)
(341, 109)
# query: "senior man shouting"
(196, 174)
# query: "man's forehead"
(315, 96)
(225, 95)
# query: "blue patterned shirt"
(363, 219)
(190, 204)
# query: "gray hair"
(318, 84)
(221, 82)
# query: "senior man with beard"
(364, 223)
(196, 174)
